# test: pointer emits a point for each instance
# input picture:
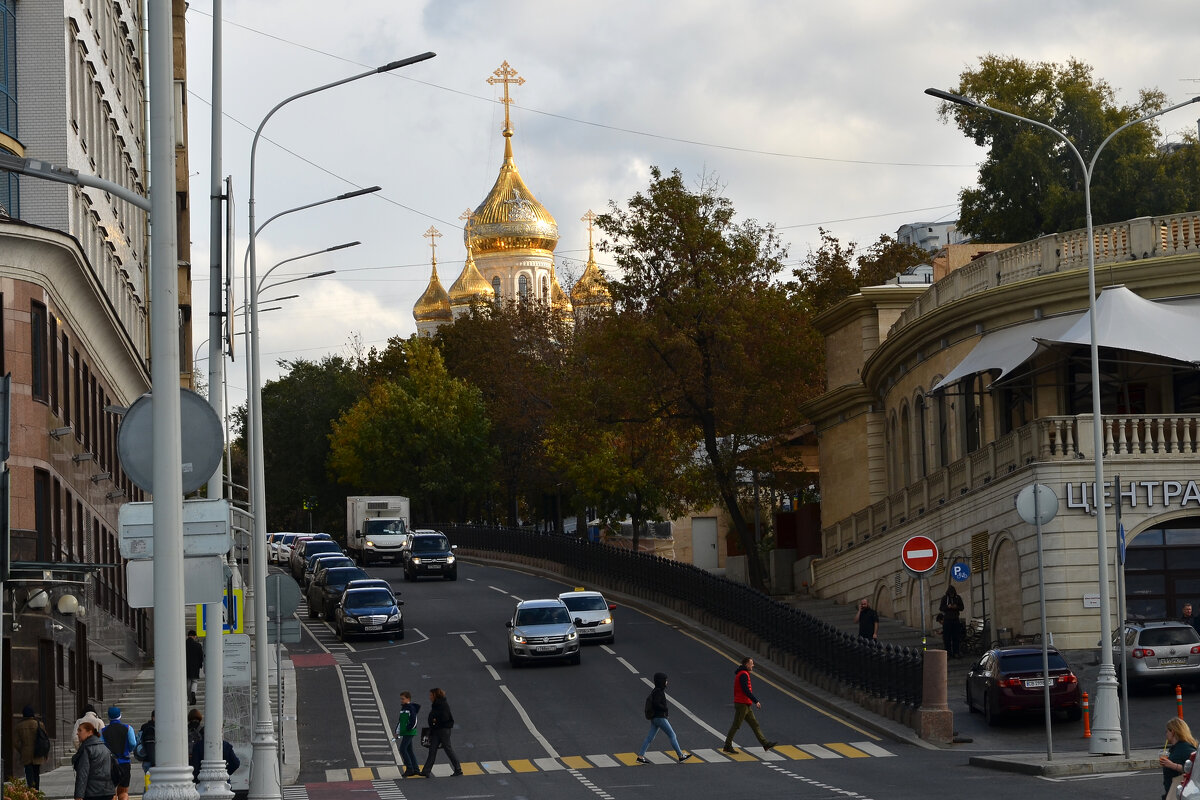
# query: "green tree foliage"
(723, 339)
(1031, 184)
(513, 352)
(297, 410)
(834, 271)
(424, 435)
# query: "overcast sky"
(810, 114)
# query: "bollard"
(1179, 700)
(1087, 718)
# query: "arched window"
(906, 437)
(921, 434)
(893, 471)
(496, 286)
(545, 288)
(523, 287)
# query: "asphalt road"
(561, 731)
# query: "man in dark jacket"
(24, 738)
(441, 722)
(232, 762)
(194, 651)
(93, 773)
(656, 711)
(744, 703)
(951, 608)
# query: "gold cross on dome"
(467, 215)
(506, 75)
(433, 234)
(589, 218)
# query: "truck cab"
(383, 540)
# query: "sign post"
(1037, 504)
(919, 555)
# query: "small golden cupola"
(470, 285)
(559, 302)
(510, 217)
(433, 307)
(592, 288)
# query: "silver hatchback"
(1159, 652)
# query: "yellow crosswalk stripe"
(628, 759)
(362, 774)
(792, 752)
(740, 755)
(846, 750)
(576, 762)
(471, 768)
(522, 765)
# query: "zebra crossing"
(781, 754)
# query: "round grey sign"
(283, 596)
(1046, 504)
(201, 435)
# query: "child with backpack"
(406, 729)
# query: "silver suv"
(1159, 652)
(541, 629)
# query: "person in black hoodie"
(441, 721)
(656, 712)
(93, 771)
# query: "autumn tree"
(834, 271)
(716, 329)
(1030, 184)
(424, 435)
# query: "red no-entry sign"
(919, 554)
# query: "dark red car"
(1007, 681)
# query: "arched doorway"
(1162, 569)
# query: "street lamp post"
(1106, 719)
(264, 772)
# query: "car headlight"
(450, 560)
(394, 617)
(416, 559)
(606, 621)
(518, 638)
(370, 543)
(572, 635)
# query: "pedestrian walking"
(194, 651)
(195, 719)
(1181, 745)
(25, 739)
(196, 756)
(145, 749)
(951, 608)
(89, 715)
(406, 729)
(867, 619)
(656, 711)
(441, 722)
(120, 741)
(93, 773)
(744, 703)
(1187, 619)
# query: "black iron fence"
(807, 644)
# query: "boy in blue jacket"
(406, 729)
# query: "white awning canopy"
(1008, 348)
(1126, 321)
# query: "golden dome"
(434, 304)
(592, 288)
(558, 298)
(471, 285)
(510, 217)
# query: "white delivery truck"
(376, 528)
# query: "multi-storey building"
(74, 293)
(945, 401)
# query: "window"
(37, 352)
(66, 380)
(523, 287)
(53, 364)
(922, 435)
(41, 511)
(496, 286)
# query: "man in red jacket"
(744, 703)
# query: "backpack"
(117, 741)
(650, 706)
(144, 751)
(41, 742)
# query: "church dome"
(510, 217)
(471, 285)
(559, 301)
(434, 304)
(591, 289)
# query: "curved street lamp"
(1106, 718)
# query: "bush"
(17, 790)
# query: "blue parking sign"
(960, 571)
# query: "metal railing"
(889, 672)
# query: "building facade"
(944, 402)
(74, 293)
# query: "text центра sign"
(1136, 494)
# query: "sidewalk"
(59, 783)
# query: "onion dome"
(559, 301)
(471, 285)
(434, 304)
(592, 288)
(510, 217)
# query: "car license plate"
(1037, 683)
(546, 648)
(1171, 662)
(372, 627)
(434, 566)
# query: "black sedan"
(1009, 681)
(326, 590)
(368, 612)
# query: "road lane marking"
(602, 760)
(576, 762)
(818, 751)
(522, 765)
(548, 764)
(796, 754)
(628, 666)
(491, 669)
(542, 740)
(482, 658)
(846, 750)
(466, 640)
(689, 713)
(870, 748)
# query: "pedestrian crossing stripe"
(783, 752)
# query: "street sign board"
(960, 571)
(1037, 504)
(205, 528)
(203, 577)
(233, 614)
(919, 554)
(283, 596)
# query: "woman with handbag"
(1181, 746)
(441, 721)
